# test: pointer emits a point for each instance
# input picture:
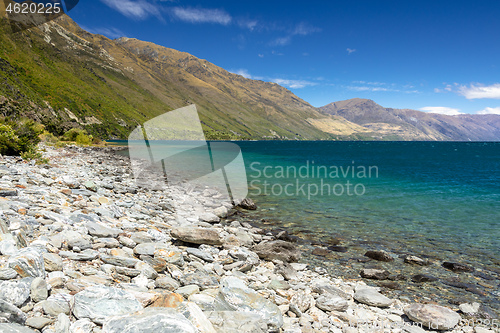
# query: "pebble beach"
(84, 249)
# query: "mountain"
(65, 77)
(405, 124)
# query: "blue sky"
(435, 56)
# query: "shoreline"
(93, 235)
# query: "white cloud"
(294, 84)
(281, 41)
(201, 15)
(134, 9)
(302, 29)
(480, 91)
(261, 55)
(248, 24)
(442, 110)
(243, 72)
(365, 88)
(111, 33)
(490, 111)
(349, 51)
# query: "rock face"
(379, 255)
(150, 320)
(243, 299)
(278, 249)
(197, 235)
(432, 316)
(100, 302)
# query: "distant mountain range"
(65, 77)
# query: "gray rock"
(248, 204)
(119, 261)
(132, 272)
(188, 290)
(208, 302)
(15, 292)
(56, 304)
(62, 324)
(150, 320)
(28, 262)
(197, 235)
(142, 237)
(38, 322)
(415, 260)
(201, 279)
(171, 256)
(236, 321)
(209, 217)
(375, 274)
(148, 248)
(15, 328)
(11, 313)
(278, 249)
(372, 297)
(99, 230)
(39, 291)
(243, 299)
(8, 247)
(470, 309)
(82, 326)
(8, 192)
(196, 316)
(97, 303)
(278, 285)
(457, 267)
(328, 302)
(302, 301)
(167, 283)
(200, 254)
(432, 316)
(7, 273)
(85, 255)
(244, 254)
(146, 270)
(53, 262)
(76, 239)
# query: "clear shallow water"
(437, 200)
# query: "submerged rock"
(457, 267)
(379, 255)
(375, 274)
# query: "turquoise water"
(441, 192)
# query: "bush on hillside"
(19, 137)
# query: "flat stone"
(201, 279)
(11, 313)
(97, 303)
(188, 290)
(119, 261)
(432, 316)
(168, 300)
(15, 328)
(39, 291)
(209, 218)
(8, 192)
(85, 255)
(99, 230)
(167, 283)
(379, 255)
(15, 292)
(28, 262)
(7, 273)
(82, 326)
(56, 304)
(141, 237)
(171, 256)
(372, 297)
(196, 316)
(415, 260)
(236, 321)
(419, 278)
(62, 324)
(148, 248)
(470, 309)
(278, 249)
(200, 254)
(197, 235)
(76, 239)
(375, 274)
(38, 322)
(150, 320)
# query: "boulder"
(432, 316)
(15, 292)
(457, 267)
(372, 297)
(379, 255)
(375, 274)
(28, 262)
(248, 204)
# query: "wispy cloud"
(137, 10)
(349, 51)
(490, 111)
(374, 86)
(442, 110)
(301, 29)
(293, 84)
(248, 24)
(369, 88)
(201, 15)
(477, 91)
(111, 33)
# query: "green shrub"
(49, 138)
(72, 134)
(83, 139)
(19, 137)
(8, 140)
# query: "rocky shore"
(83, 249)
